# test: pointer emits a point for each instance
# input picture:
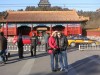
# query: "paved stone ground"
(80, 63)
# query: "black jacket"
(20, 42)
(64, 43)
(3, 43)
(34, 41)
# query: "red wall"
(74, 30)
(93, 33)
(9, 31)
(67, 31)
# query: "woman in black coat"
(20, 46)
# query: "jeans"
(33, 49)
(46, 47)
(20, 52)
(3, 54)
(54, 61)
(63, 59)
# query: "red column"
(80, 30)
(66, 30)
(50, 29)
(7, 29)
(15, 29)
(35, 31)
(31, 30)
(2, 28)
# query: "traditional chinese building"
(25, 22)
(44, 3)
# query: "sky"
(85, 5)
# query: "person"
(46, 37)
(15, 39)
(53, 51)
(62, 44)
(3, 47)
(20, 46)
(34, 43)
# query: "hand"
(54, 49)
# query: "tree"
(94, 18)
(30, 8)
(20, 9)
(55, 8)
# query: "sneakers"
(61, 69)
(54, 70)
(66, 70)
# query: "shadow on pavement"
(87, 66)
(53, 73)
(42, 55)
(16, 59)
(14, 54)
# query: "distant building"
(44, 3)
(93, 32)
(25, 22)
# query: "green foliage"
(30, 8)
(94, 18)
(20, 9)
(55, 8)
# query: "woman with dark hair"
(34, 43)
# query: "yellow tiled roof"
(43, 16)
